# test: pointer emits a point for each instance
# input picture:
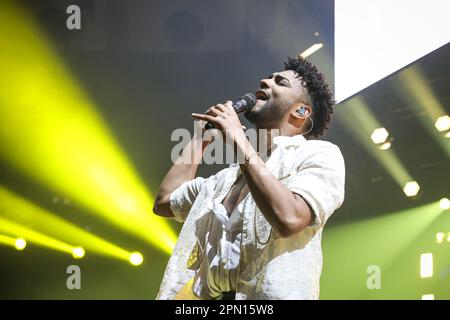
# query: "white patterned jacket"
(284, 268)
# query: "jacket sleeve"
(320, 181)
(183, 197)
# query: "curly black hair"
(320, 98)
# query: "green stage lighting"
(393, 243)
(356, 116)
(411, 188)
(444, 203)
(426, 265)
(418, 93)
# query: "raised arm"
(184, 169)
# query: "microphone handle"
(239, 106)
(209, 126)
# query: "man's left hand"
(225, 119)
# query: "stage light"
(385, 146)
(411, 188)
(440, 236)
(311, 50)
(442, 124)
(444, 204)
(355, 115)
(379, 135)
(78, 252)
(428, 297)
(418, 94)
(65, 144)
(136, 258)
(426, 265)
(4, 239)
(21, 218)
(402, 233)
(20, 244)
(12, 228)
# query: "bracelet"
(247, 158)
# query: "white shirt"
(219, 268)
(284, 268)
(218, 271)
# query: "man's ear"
(301, 111)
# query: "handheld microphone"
(244, 103)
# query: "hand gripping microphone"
(244, 103)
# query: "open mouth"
(261, 94)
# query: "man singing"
(254, 229)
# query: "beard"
(265, 115)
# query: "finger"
(244, 127)
(220, 110)
(229, 105)
(221, 107)
(211, 110)
(216, 110)
(205, 117)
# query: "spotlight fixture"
(442, 124)
(136, 258)
(78, 252)
(20, 244)
(380, 137)
(444, 203)
(411, 188)
(440, 236)
(426, 265)
(385, 145)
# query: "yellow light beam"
(25, 219)
(50, 131)
(19, 243)
(358, 119)
(9, 227)
(4, 239)
(420, 96)
(418, 89)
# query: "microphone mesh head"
(250, 100)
